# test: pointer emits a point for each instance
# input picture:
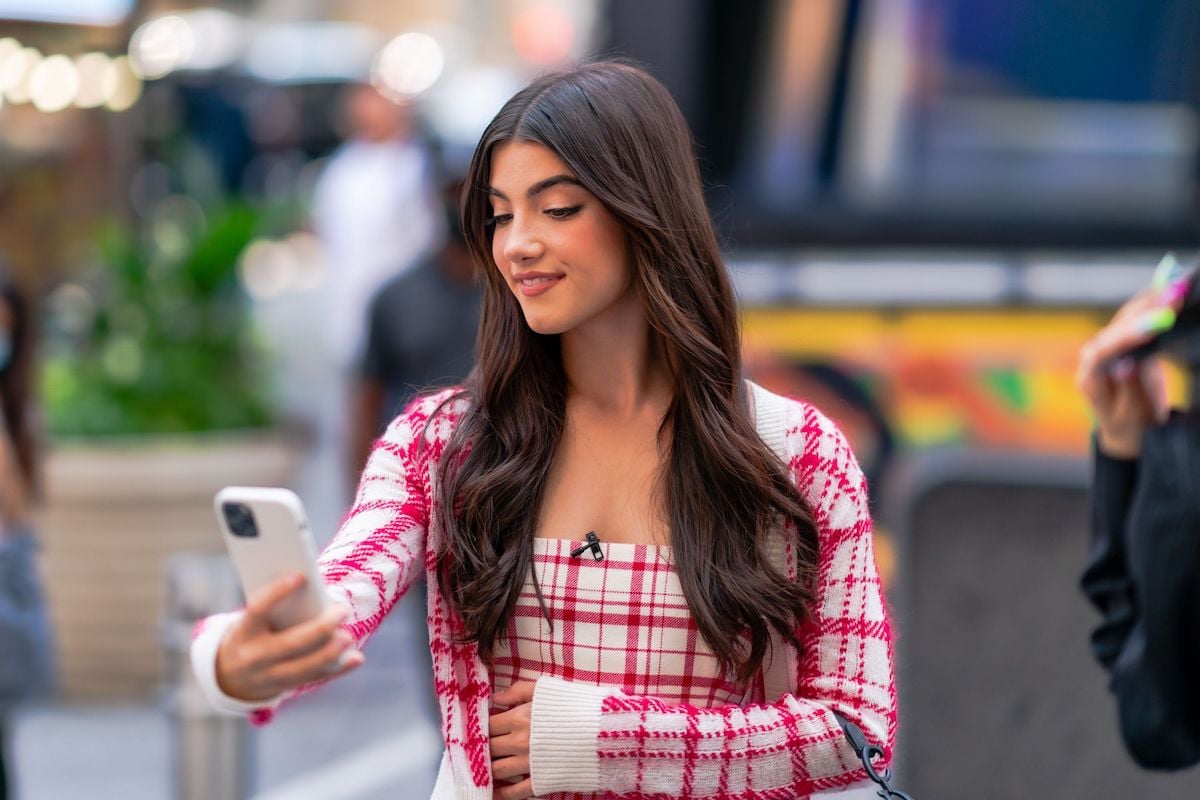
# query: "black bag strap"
(869, 752)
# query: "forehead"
(518, 165)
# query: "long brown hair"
(622, 136)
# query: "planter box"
(115, 511)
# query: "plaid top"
(618, 741)
(622, 621)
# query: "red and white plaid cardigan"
(587, 738)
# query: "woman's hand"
(255, 662)
(509, 735)
(1128, 397)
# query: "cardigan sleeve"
(1144, 577)
(1106, 580)
(588, 739)
(377, 553)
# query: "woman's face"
(562, 253)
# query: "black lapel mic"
(591, 542)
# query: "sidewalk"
(367, 736)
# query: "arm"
(1148, 640)
(1106, 580)
(375, 557)
(370, 385)
(585, 738)
(1143, 571)
(369, 397)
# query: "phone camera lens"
(240, 520)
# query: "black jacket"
(1143, 575)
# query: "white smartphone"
(267, 535)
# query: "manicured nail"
(1175, 292)
(1165, 272)
(1156, 320)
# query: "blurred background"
(219, 209)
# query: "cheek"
(498, 250)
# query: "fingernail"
(1165, 272)
(1174, 293)
(343, 613)
(1156, 320)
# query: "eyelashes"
(500, 220)
(563, 213)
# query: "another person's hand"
(255, 662)
(509, 735)
(1126, 396)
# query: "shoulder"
(816, 452)
(793, 427)
(429, 419)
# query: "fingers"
(259, 604)
(1154, 379)
(519, 692)
(322, 664)
(307, 637)
(503, 722)
(517, 791)
(506, 769)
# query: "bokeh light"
(54, 83)
(408, 65)
(16, 72)
(543, 34)
(267, 268)
(98, 80)
(161, 46)
(129, 86)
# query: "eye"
(563, 213)
(498, 220)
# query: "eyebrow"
(538, 187)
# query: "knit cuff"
(563, 736)
(207, 641)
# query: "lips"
(532, 284)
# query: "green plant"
(159, 339)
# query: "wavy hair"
(721, 488)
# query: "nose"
(522, 245)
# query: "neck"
(616, 367)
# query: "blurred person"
(646, 575)
(1143, 570)
(421, 330)
(25, 650)
(374, 210)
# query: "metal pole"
(213, 753)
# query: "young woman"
(648, 577)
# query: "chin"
(544, 326)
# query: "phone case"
(283, 543)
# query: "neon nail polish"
(1157, 320)
(1165, 271)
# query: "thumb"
(259, 604)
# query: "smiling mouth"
(538, 281)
